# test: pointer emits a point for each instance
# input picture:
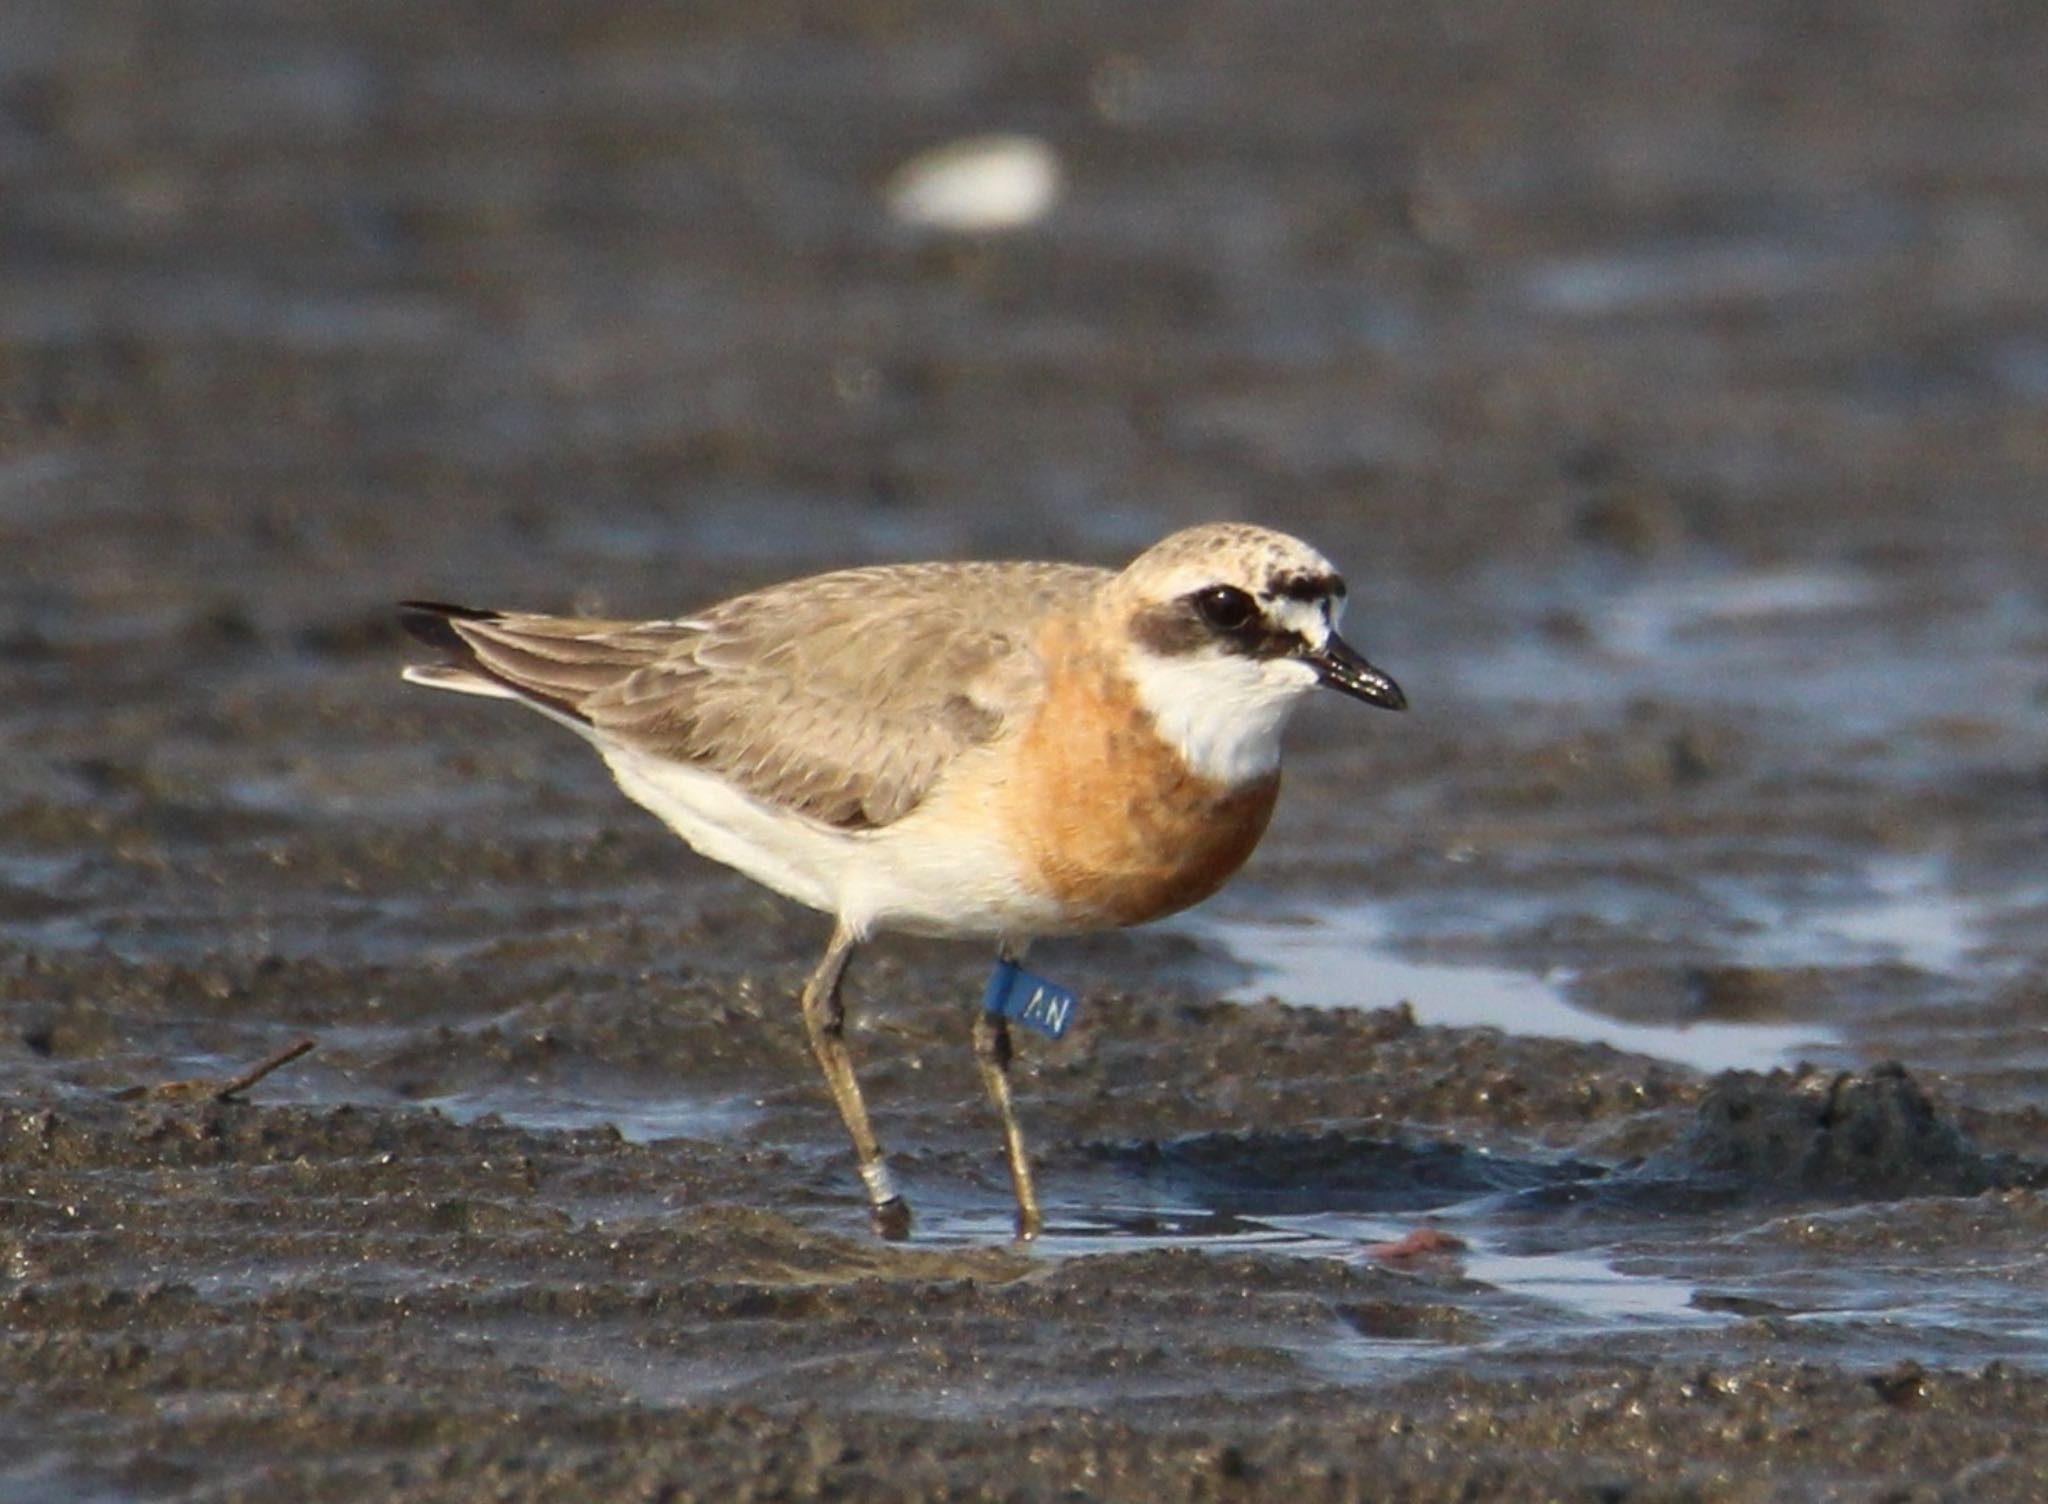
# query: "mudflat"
(1622, 1077)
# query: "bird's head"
(1226, 627)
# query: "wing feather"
(842, 697)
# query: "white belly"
(927, 874)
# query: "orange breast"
(1113, 824)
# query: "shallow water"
(1852, 654)
(1347, 960)
(1899, 912)
(1579, 1290)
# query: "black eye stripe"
(1227, 615)
(1217, 616)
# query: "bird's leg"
(825, 1021)
(992, 1050)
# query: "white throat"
(1222, 713)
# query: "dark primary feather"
(843, 697)
(433, 622)
(429, 621)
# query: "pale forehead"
(1256, 559)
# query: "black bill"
(1340, 667)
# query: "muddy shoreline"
(1673, 388)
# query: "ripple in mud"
(1283, 1172)
(1874, 1135)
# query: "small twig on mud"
(220, 1091)
(257, 1072)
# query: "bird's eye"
(1225, 607)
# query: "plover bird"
(1008, 750)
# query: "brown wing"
(843, 696)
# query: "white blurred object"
(979, 185)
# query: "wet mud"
(1620, 1078)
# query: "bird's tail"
(484, 658)
(433, 622)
